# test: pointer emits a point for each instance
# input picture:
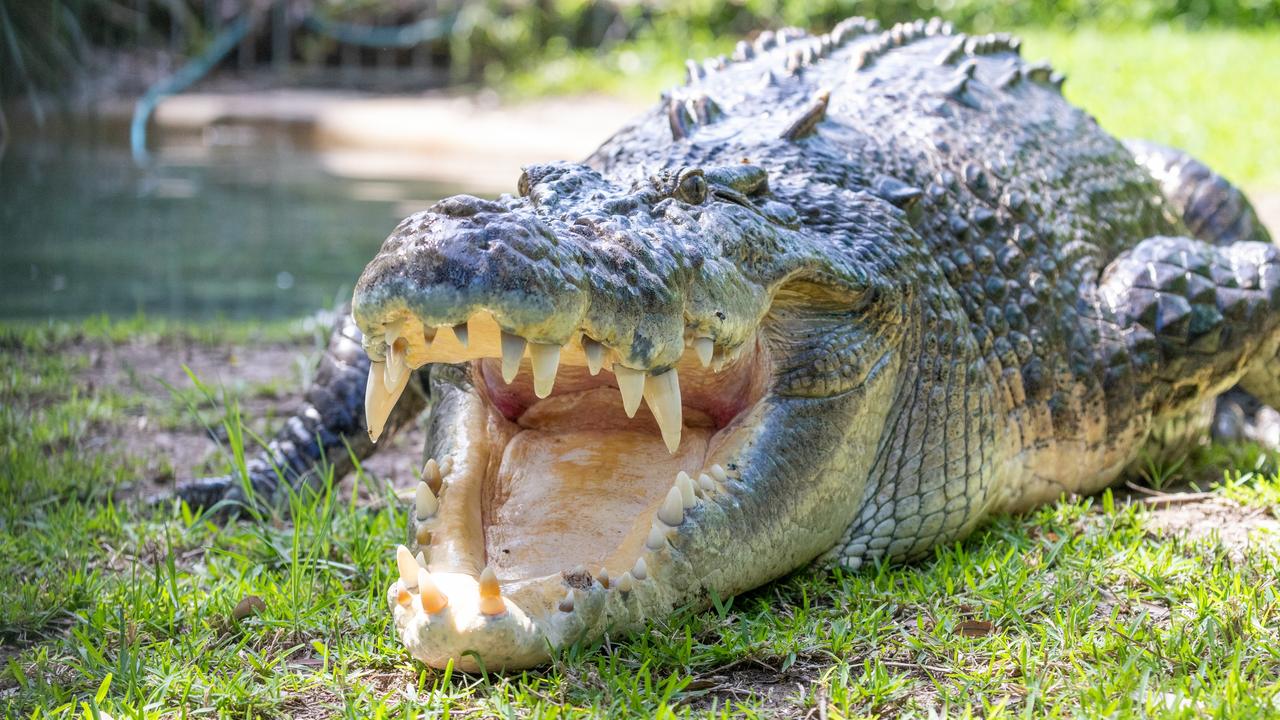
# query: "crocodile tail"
(1213, 209)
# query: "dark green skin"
(976, 299)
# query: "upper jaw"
(641, 282)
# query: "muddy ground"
(266, 380)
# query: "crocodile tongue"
(579, 483)
(550, 511)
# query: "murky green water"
(255, 230)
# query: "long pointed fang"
(625, 583)
(395, 365)
(662, 393)
(603, 578)
(545, 360)
(705, 347)
(566, 605)
(512, 352)
(685, 484)
(641, 570)
(432, 476)
(426, 502)
(657, 536)
(408, 567)
(631, 385)
(490, 595)
(595, 354)
(672, 510)
(433, 601)
(379, 400)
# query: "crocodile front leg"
(1217, 212)
(1196, 319)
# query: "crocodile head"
(647, 393)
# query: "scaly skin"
(939, 291)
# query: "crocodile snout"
(445, 264)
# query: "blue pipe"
(405, 36)
(186, 76)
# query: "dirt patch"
(267, 381)
(1237, 527)
(152, 365)
(783, 692)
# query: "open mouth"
(560, 482)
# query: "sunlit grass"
(1205, 92)
(1076, 610)
(1209, 92)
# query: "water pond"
(210, 230)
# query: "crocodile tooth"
(662, 394)
(403, 597)
(545, 360)
(379, 400)
(408, 567)
(705, 347)
(566, 605)
(706, 483)
(432, 476)
(426, 502)
(657, 536)
(422, 535)
(433, 601)
(490, 594)
(422, 559)
(625, 583)
(512, 352)
(672, 510)
(603, 578)
(718, 473)
(631, 384)
(395, 365)
(460, 332)
(595, 354)
(685, 484)
(641, 569)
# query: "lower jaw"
(566, 573)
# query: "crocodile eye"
(692, 188)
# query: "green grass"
(1209, 92)
(1076, 610)
(1205, 92)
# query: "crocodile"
(838, 297)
